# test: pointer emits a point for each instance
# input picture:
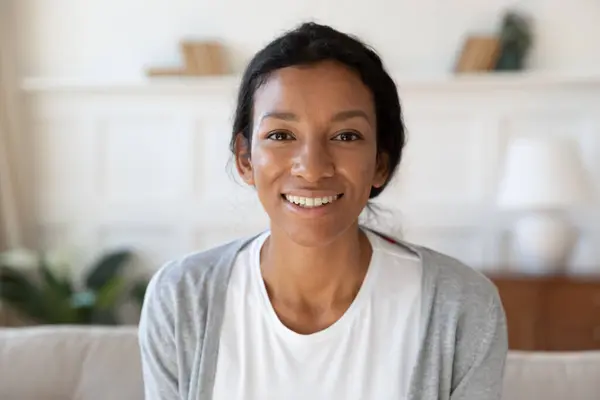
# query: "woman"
(319, 307)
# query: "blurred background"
(115, 118)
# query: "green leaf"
(19, 292)
(83, 304)
(61, 287)
(106, 269)
(57, 306)
(45, 302)
(85, 315)
(104, 317)
(138, 291)
(108, 295)
(57, 296)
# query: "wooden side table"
(553, 313)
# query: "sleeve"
(156, 335)
(481, 356)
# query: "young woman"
(319, 307)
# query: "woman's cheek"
(267, 161)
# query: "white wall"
(121, 161)
(117, 39)
(145, 165)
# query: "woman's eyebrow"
(341, 116)
(344, 115)
(282, 115)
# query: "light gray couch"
(98, 363)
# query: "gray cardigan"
(464, 338)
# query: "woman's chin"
(314, 234)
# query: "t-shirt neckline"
(342, 324)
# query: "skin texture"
(313, 134)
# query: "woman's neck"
(316, 278)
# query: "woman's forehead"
(326, 87)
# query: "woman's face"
(313, 155)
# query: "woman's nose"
(313, 162)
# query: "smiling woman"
(318, 306)
(313, 135)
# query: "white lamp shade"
(542, 172)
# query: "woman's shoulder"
(456, 278)
(452, 283)
(446, 278)
(449, 275)
(181, 292)
(197, 269)
(464, 324)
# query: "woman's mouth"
(311, 202)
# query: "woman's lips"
(311, 207)
(305, 201)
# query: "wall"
(115, 39)
(124, 161)
(145, 165)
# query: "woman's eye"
(280, 135)
(347, 136)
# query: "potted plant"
(516, 39)
(32, 285)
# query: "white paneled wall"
(146, 164)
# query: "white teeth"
(309, 202)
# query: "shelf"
(142, 85)
(200, 85)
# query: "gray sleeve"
(481, 355)
(156, 335)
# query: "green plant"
(138, 291)
(516, 39)
(47, 297)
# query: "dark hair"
(311, 43)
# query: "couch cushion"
(70, 363)
(552, 376)
(99, 363)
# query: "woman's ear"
(243, 162)
(381, 170)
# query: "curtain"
(10, 220)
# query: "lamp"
(543, 177)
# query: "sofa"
(100, 363)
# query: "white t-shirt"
(369, 353)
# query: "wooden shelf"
(477, 81)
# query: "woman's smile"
(311, 202)
(312, 206)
